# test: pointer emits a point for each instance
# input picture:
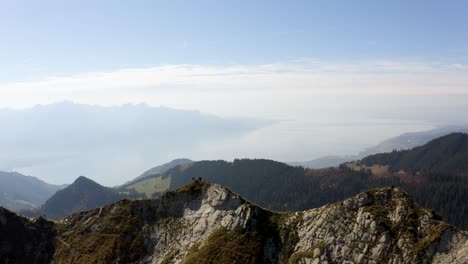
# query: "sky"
(328, 69)
(59, 38)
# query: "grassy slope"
(151, 185)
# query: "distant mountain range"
(19, 192)
(402, 142)
(207, 223)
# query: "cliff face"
(204, 223)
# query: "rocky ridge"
(207, 223)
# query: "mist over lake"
(61, 141)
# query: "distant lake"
(298, 140)
(284, 140)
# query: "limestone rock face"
(207, 223)
(377, 226)
(216, 207)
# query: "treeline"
(281, 187)
(446, 193)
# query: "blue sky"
(261, 59)
(43, 38)
(333, 77)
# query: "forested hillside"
(402, 142)
(277, 186)
(447, 154)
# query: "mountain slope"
(245, 174)
(19, 192)
(205, 223)
(280, 187)
(163, 168)
(401, 142)
(149, 183)
(413, 139)
(82, 194)
(447, 154)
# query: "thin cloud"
(171, 84)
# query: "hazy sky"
(341, 70)
(231, 57)
(49, 38)
(224, 53)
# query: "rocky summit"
(207, 223)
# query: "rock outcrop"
(378, 226)
(207, 223)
